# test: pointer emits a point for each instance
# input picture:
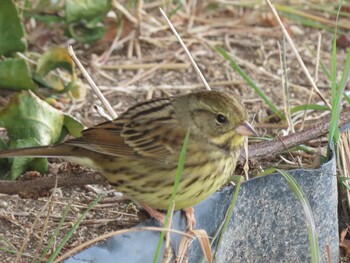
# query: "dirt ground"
(27, 224)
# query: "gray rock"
(267, 224)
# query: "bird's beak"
(246, 129)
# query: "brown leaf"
(343, 41)
(344, 243)
(203, 240)
(345, 9)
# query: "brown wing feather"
(147, 130)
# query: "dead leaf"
(203, 240)
(343, 41)
(344, 243)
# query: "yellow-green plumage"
(138, 152)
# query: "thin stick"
(296, 53)
(316, 76)
(271, 148)
(285, 86)
(186, 50)
(102, 113)
(114, 233)
(135, 66)
(92, 84)
(125, 12)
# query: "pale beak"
(246, 129)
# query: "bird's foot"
(159, 216)
(190, 218)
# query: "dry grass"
(145, 61)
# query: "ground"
(28, 224)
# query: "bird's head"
(216, 116)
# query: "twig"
(186, 50)
(296, 53)
(63, 180)
(285, 85)
(135, 66)
(271, 148)
(114, 233)
(125, 12)
(102, 113)
(316, 76)
(92, 84)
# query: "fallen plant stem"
(118, 232)
(278, 145)
(92, 84)
(296, 53)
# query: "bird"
(138, 151)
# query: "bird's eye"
(221, 119)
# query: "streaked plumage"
(138, 151)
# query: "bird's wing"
(147, 130)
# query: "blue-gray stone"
(267, 224)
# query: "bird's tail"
(60, 150)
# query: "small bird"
(138, 152)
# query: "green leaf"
(76, 90)
(30, 122)
(309, 218)
(84, 34)
(73, 126)
(26, 116)
(39, 164)
(77, 10)
(54, 58)
(20, 164)
(15, 75)
(84, 17)
(11, 31)
(33, 122)
(4, 164)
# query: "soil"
(28, 224)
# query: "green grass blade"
(227, 217)
(306, 22)
(347, 98)
(334, 65)
(8, 246)
(250, 82)
(337, 91)
(310, 223)
(179, 5)
(180, 166)
(314, 107)
(340, 91)
(71, 231)
(54, 235)
(328, 75)
(327, 9)
(299, 108)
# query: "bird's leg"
(159, 216)
(191, 220)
